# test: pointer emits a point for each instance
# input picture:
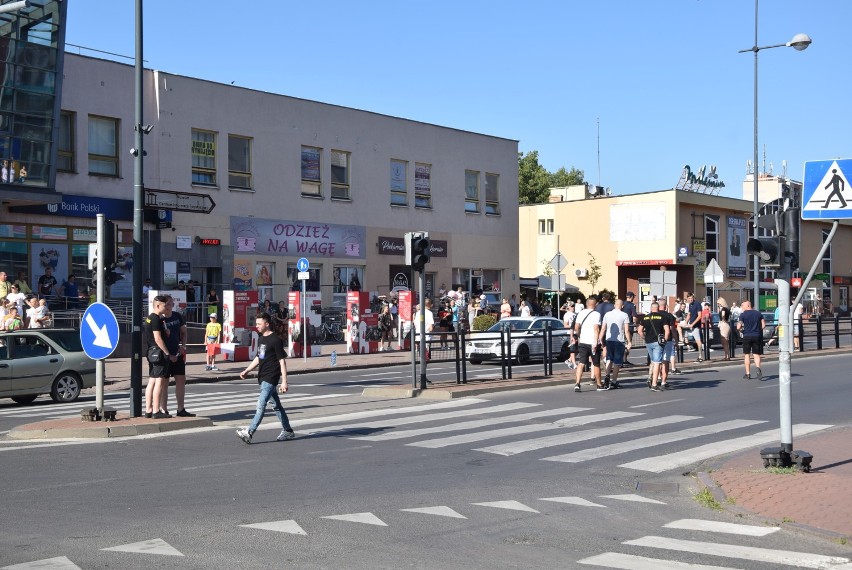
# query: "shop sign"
(699, 181)
(391, 246)
(209, 241)
(298, 238)
(840, 280)
(400, 282)
(81, 207)
(640, 262)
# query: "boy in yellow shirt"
(212, 336)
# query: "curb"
(106, 429)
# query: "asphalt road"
(542, 478)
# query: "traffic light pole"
(100, 295)
(138, 205)
(421, 326)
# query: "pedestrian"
(587, 330)
(212, 338)
(668, 366)
(751, 325)
(13, 321)
(70, 291)
(385, 325)
(272, 368)
(505, 309)
(724, 326)
(47, 283)
(17, 297)
(176, 344)
(159, 359)
(568, 321)
(146, 287)
(655, 330)
(693, 325)
(615, 333)
(633, 320)
(21, 282)
(5, 286)
(525, 310)
(212, 301)
(513, 303)
(797, 323)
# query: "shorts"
(178, 367)
(655, 352)
(615, 352)
(159, 370)
(213, 349)
(694, 333)
(752, 344)
(668, 351)
(584, 352)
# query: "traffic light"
(109, 260)
(767, 249)
(420, 252)
(782, 249)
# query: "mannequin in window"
(354, 283)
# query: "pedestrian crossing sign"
(826, 194)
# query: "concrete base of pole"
(780, 457)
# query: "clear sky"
(663, 77)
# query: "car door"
(535, 337)
(5, 368)
(34, 363)
(559, 336)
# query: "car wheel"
(476, 360)
(523, 354)
(25, 399)
(66, 387)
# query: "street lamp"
(15, 6)
(799, 42)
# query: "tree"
(533, 179)
(594, 271)
(563, 177)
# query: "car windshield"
(514, 324)
(68, 340)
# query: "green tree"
(564, 177)
(533, 179)
(594, 271)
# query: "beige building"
(631, 235)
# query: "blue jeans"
(269, 391)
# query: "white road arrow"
(101, 334)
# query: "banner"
(699, 247)
(737, 239)
(298, 238)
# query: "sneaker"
(244, 435)
(759, 373)
(570, 365)
(700, 360)
(286, 435)
(207, 368)
(614, 385)
(664, 386)
(606, 379)
(655, 388)
(184, 414)
(649, 381)
(677, 371)
(603, 388)
(162, 415)
(214, 369)
(149, 415)
(746, 377)
(576, 387)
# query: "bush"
(484, 322)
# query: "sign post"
(713, 274)
(303, 265)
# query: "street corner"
(122, 426)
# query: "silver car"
(527, 339)
(44, 361)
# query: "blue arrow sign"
(303, 264)
(826, 194)
(99, 331)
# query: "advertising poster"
(263, 274)
(242, 274)
(699, 247)
(737, 239)
(123, 288)
(49, 258)
(313, 240)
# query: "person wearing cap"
(724, 326)
(212, 337)
(633, 320)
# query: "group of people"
(21, 309)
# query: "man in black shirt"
(272, 366)
(158, 368)
(630, 309)
(655, 328)
(176, 343)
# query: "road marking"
(650, 441)
(729, 528)
(63, 485)
(517, 430)
(376, 374)
(657, 403)
(750, 553)
(632, 562)
(155, 546)
(440, 511)
(288, 526)
(573, 501)
(339, 450)
(511, 505)
(682, 458)
(523, 446)
(58, 563)
(218, 465)
(632, 498)
(363, 518)
(400, 434)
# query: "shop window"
(65, 160)
(311, 169)
(491, 280)
(471, 191)
(103, 146)
(492, 195)
(346, 278)
(311, 284)
(239, 162)
(399, 183)
(203, 157)
(422, 185)
(340, 175)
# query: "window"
(65, 161)
(711, 237)
(340, 175)
(399, 182)
(239, 162)
(344, 279)
(492, 195)
(203, 157)
(103, 146)
(550, 227)
(311, 162)
(541, 227)
(471, 191)
(422, 185)
(545, 227)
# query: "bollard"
(836, 330)
(801, 335)
(509, 343)
(503, 354)
(458, 362)
(463, 355)
(819, 331)
(546, 348)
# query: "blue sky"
(663, 76)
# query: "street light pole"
(799, 43)
(138, 205)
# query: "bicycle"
(332, 330)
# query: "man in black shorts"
(176, 343)
(751, 325)
(272, 366)
(158, 369)
(587, 330)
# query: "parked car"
(527, 339)
(44, 361)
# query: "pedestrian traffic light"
(767, 249)
(420, 252)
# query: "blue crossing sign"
(826, 194)
(99, 331)
(303, 264)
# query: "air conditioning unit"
(582, 273)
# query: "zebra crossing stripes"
(723, 527)
(517, 430)
(682, 458)
(650, 441)
(634, 562)
(514, 448)
(401, 434)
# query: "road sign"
(713, 273)
(99, 331)
(559, 263)
(826, 194)
(303, 264)
(304, 275)
(179, 201)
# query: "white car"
(527, 340)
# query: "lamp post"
(799, 43)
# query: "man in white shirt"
(429, 324)
(587, 330)
(615, 333)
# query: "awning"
(529, 282)
(732, 285)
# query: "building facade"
(289, 178)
